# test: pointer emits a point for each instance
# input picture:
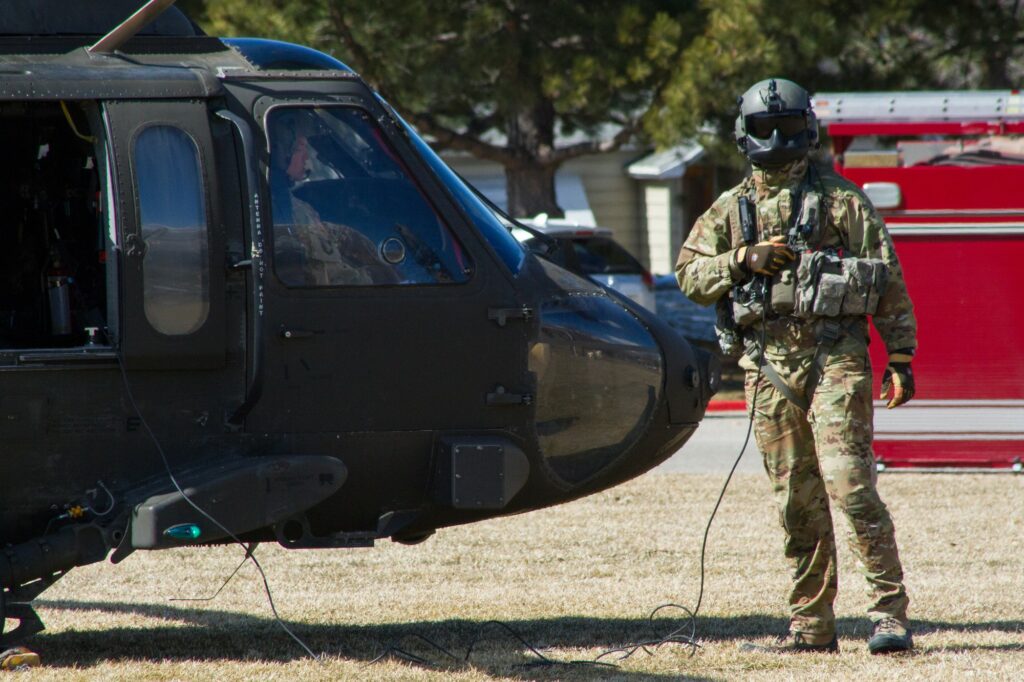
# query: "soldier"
(796, 259)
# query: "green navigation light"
(184, 531)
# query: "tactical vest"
(821, 285)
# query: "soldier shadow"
(860, 628)
(925, 627)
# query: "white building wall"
(658, 214)
(613, 197)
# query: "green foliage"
(713, 69)
(487, 62)
(500, 78)
(504, 79)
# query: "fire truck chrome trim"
(955, 228)
(952, 420)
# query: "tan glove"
(898, 378)
(765, 258)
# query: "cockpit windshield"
(346, 211)
(493, 229)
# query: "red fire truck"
(946, 171)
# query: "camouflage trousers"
(822, 459)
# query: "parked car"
(592, 252)
(695, 322)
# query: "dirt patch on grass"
(574, 581)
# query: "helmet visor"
(788, 124)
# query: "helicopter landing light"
(184, 531)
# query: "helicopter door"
(172, 235)
(379, 298)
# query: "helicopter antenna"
(129, 27)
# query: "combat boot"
(791, 643)
(890, 636)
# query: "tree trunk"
(996, 73)
(531, 189)
(530, 177)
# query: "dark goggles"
(788, 124)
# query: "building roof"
(668, 164)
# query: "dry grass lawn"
(574, 580)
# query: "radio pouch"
(830, 286)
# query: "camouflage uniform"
(823, 456)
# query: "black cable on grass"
(542, 660)
(674, 637)
(390, 650)
(249, 555)
(677, 636)
(249, 550)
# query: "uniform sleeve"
(869, 238)
(706, 269)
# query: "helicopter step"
(225, 501)
(209, 504)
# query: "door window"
(174, 232)
(346, 211)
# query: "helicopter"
(241, 300)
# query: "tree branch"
(446, 138)
(482, 124)
(573, 151)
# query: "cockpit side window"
(346, 211)
(176, 290)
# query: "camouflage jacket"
(851, 223)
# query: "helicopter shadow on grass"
(201, 634)
(215, 635)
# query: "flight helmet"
(776, 124)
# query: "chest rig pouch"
(828, 285)
(819, 283)
(779, 294)
(822, 283)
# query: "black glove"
(898, 378)
(766, 258)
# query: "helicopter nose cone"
(615, 388)
(599, 380)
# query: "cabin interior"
(54, 243)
